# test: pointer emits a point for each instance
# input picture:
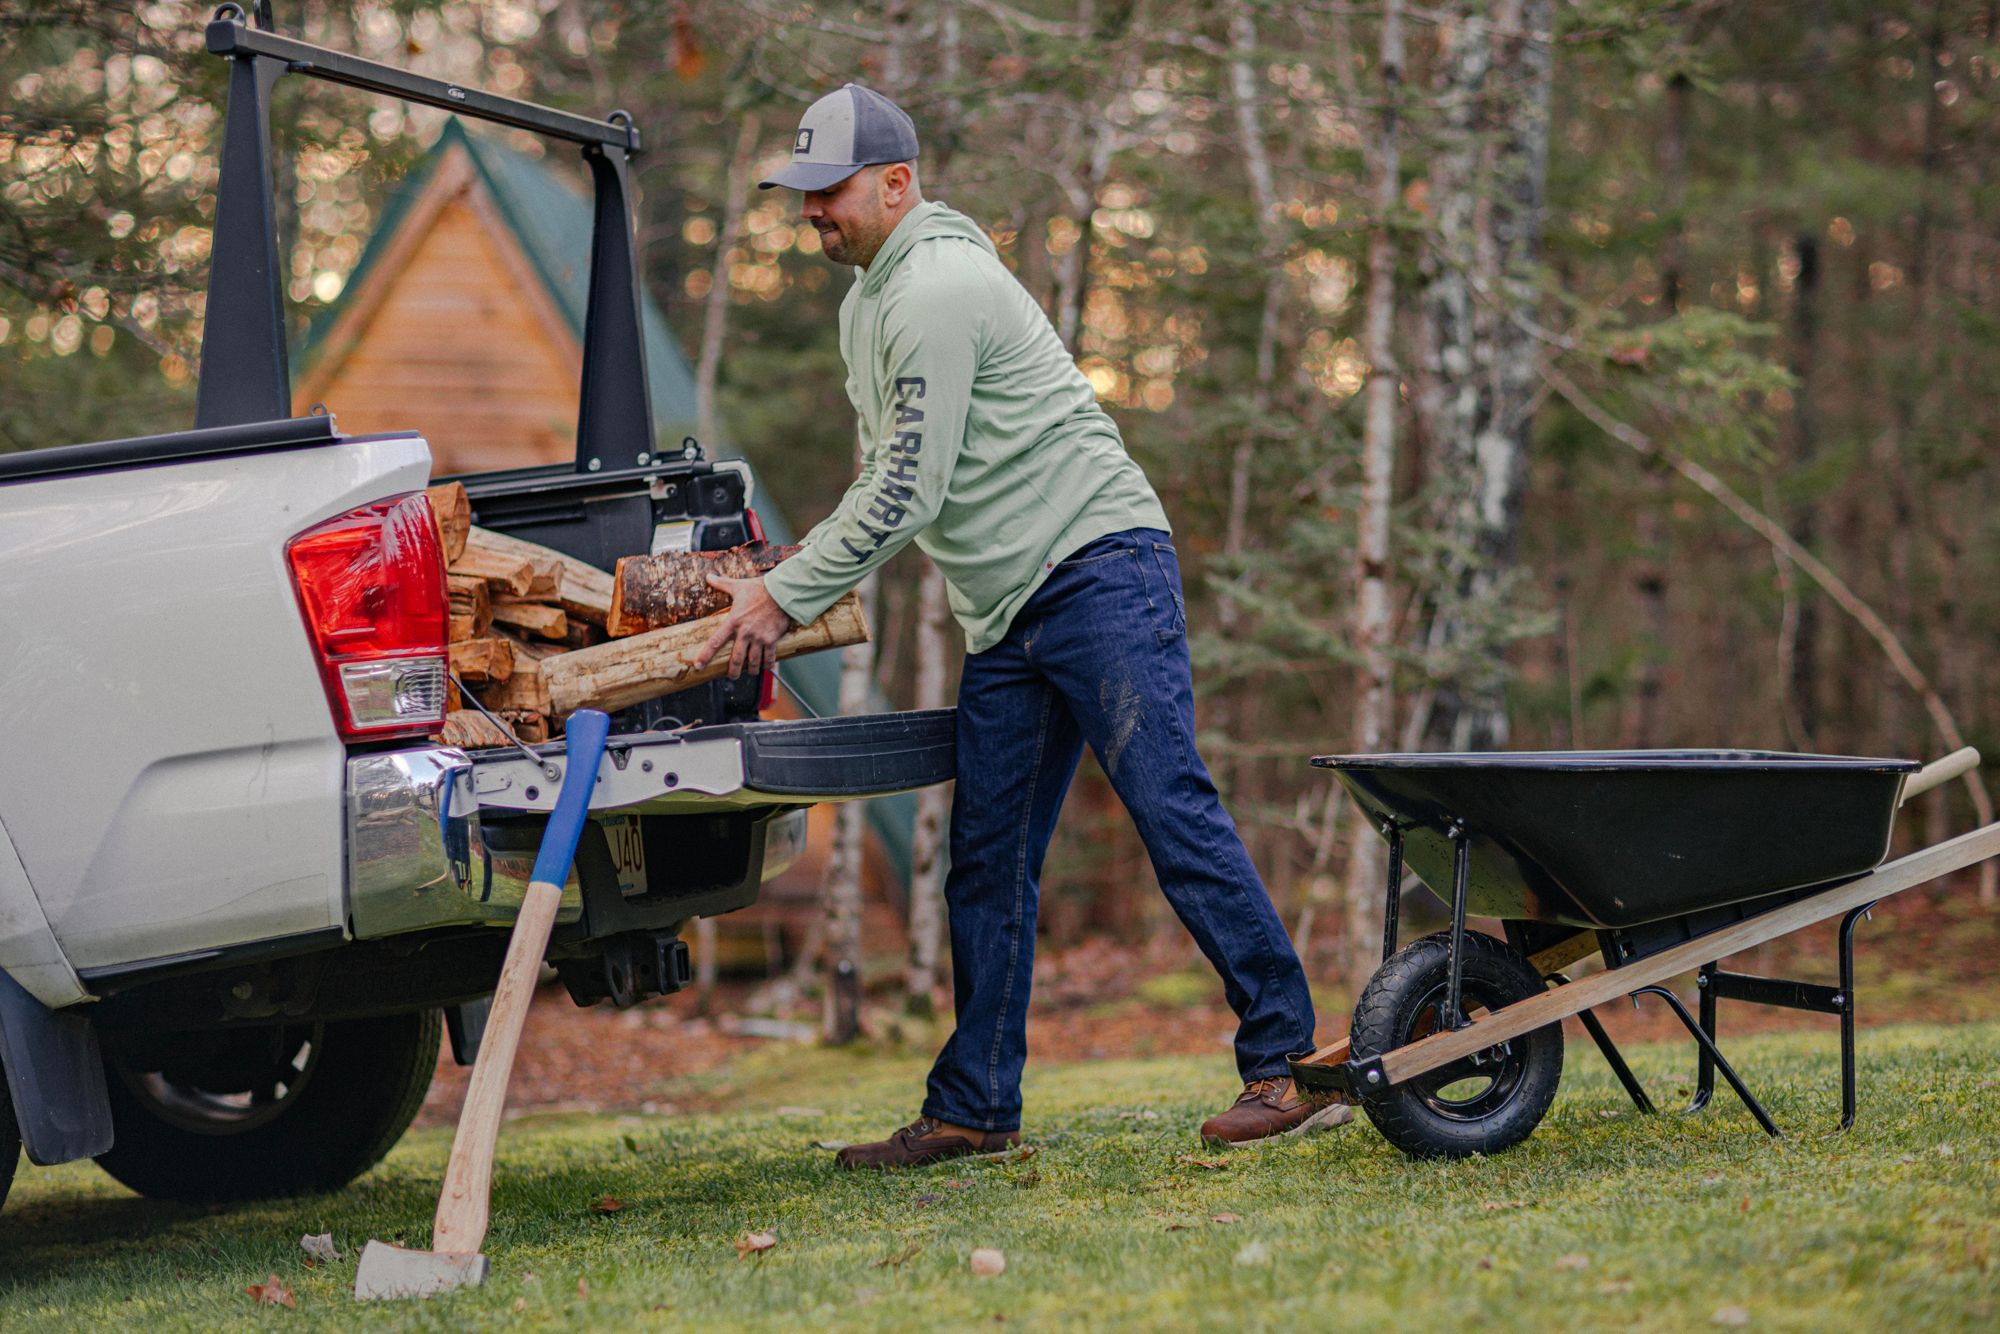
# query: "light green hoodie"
(980, 438)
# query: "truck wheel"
(10, 1141)
(1479, 1105)
(251, 1114)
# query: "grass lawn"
(1603, 1219)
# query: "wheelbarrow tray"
(1615, 839)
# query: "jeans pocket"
(1077, 562)
(1165, 561)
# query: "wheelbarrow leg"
(1392, 903)
(1846, 1002)
(1714, 1053)
(1612, 1056)
(1704, 1077)
(1461, 884)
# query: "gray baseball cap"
(848, 129)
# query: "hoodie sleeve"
(930, 352)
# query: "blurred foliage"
(1100, 144)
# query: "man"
(984, 444)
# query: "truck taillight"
(371, 585)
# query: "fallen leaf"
(1023, 1154)
(755, 1243)
(320, 1247)
(1181, 1225)
(1731, 1315)
(1607, 1112)
(1031, 1177)
(954, 1184)
(987, 1262)
(801, 1111)
(1484, 1262)
(1574, 1260)
(1494, 1206)
(1226, 1218)
(924, 1201)
(1613, 1287)
(1256, 1253)
(520, 1305)
(583, 1288)
(1139, 1116)
(632, 1143)
(830, 1145)
(610, 1204)
(900, 1256)
(1210, 1164)
(1746, 1205)
(272, 1293)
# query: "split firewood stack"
(536, 634)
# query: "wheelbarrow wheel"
(1483, 1104)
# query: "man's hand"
(755, 623)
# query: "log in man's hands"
(754, 623)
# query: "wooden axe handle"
(462, 1212)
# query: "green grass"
(1677, 1218)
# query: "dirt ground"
(1930, 955)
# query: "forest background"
(1522, 375)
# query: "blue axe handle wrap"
(585, 732)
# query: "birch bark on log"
(651, 592)
(1374, 703)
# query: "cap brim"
(810, 175)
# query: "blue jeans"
(1099, 654)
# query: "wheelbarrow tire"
(1448, 1114)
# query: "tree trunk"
(1374, 704)
(1487, 192)
(841, 890)
(927, 845)
(715, 318)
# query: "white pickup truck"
(241, 891)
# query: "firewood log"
(473, 730)
(471, 606)
(528, 726)
(584, 590)
(651, 592)
(525, 688)
(659, 662)
(454, 517)
(509, 576)
(535, 618)
(482, 661)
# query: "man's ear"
(896, 179)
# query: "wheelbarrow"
(1658, 862)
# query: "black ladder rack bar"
(230, 37)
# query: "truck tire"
(1464, 1108)
(10, 1141)
(264, 1113)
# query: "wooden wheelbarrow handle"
(1939, 772)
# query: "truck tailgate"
(736, 766)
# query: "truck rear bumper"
(416, 857)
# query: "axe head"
(388, 1272)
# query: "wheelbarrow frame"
(1332, 1071)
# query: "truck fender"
(50, 1056)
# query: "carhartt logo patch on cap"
(848, 129)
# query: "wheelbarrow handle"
(1939, 772)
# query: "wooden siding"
(456, 339)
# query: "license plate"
(628, 853)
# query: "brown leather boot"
(1266, 1109)
(923, 1141)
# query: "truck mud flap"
(55, 1076)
